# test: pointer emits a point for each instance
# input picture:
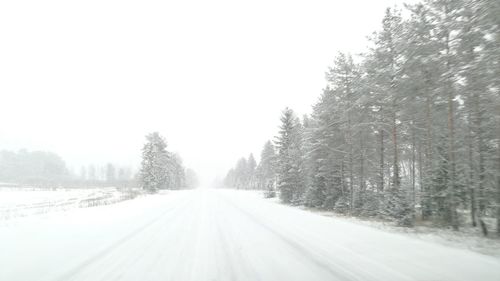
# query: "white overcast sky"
(88, 79)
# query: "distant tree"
(245, 174)
(266, 170)
(110, 173)
(154, 166)
(192, 180)
(121, 176)
(250, 173)
(36, 167)
(241, 172)
(176, 172)
(91, 175)
(83, 173)
(230, 179)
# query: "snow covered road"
(221, 235)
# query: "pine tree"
(289, 158)
(176, 173)
(155, 161)
(389, 59)
(325, 154)
(110, 173)
(241, 171)
(192, 180)
(250, 173)
(266, 170)
(412, 130)
(344, 78)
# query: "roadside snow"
(467, 238)
(205, 235)
(16, 202)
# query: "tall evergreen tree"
(288, 162)
(250, 173)
(266, 170)
(413, 129)
(155, 162)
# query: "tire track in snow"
(71, 274)
(225, 252)
(224, 245)
(152, 241)
(310, 255)
(361, 272)
(233, 258)
(167, 259)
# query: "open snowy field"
(221, 235)
(21, 202)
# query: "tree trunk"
(413, 160)
(498, 183)
(351, 161)
(480, 152)
(420, 176)
(428, 163)
(451, 131)
(362, 165)
(342, 176)
(381, 166)
(451, 156)
(395, 180)
(471, 183)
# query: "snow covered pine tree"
(155, 163)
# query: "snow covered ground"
(467, 238)
(221, 235)
(21, 202)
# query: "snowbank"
(18, 202)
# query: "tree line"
(407, 131)
(109, 173)
(32, 167)
(44, 168)
(160, 169)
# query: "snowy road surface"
(221, 235)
